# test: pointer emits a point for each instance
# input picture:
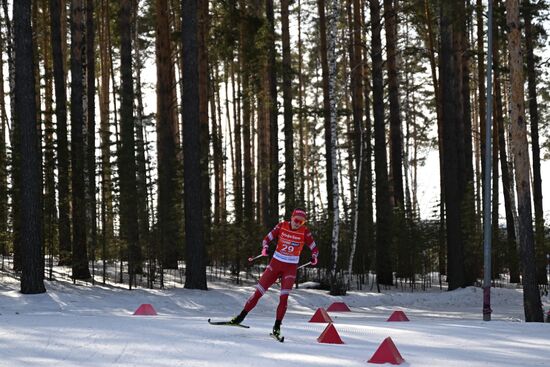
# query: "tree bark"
(129, 232)
(195, 271)
(273, 112)
(383, 206)
(80, 253)
(107, 216)
(290, 190)
(4, 128)
(166, 141)
(32, 275)
(90, 145)
(518, 135)
(448, 85)
(326, 101)
(540, 248)
(65, 243)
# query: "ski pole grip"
(250, 259)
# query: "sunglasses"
(298, 222)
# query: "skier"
(291, 238)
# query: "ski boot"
(238, 319)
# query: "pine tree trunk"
(166, 142)
(4, 128)
(247, 34)
(482, 98)
(216, 146)
(383, 206)
(195, 271)
(50, 212)
(336, 287)
(127, 154)
(238, 179)
(472, 252)
(65, 242)
(141, 143)
(105, 140)
(450, 122)
(541, 249)
(80, 253)
(531, 297)
(32, 275)
(203, 26)
(273, 112)
(326, 103)
(302, 179)
(290, 189)
(366, 241)
(90, 146)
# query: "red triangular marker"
(338, 307)
(398, 316)
(387, 353)
(320, 315)
(330, 336)
(145, 310)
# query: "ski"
(227, 323)
(278, 338)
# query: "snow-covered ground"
(73, 325)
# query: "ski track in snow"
(73, 325)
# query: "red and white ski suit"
(283, 264)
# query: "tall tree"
(287, 105)
(50, 210)
(127, 153)
(383, 206)
(332, 69)
(195, 271)
(326, 99)
(540, 247)
(107, 215)
(248, 31)
(450, 88)
(512, 254)
(32, 275)
(166, 141)
(273, 112)
(141, 146)
(90, 124)
(65, 243)
(396, 139)
(518, 137)
(361, 216)
(203, 31)
(4, 209)
(80, 253)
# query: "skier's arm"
(270, 237)
(310, 242)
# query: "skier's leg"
(289, 276)
(267, 279)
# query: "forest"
(142, 140)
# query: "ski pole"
(304, 265)
(250, 259)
